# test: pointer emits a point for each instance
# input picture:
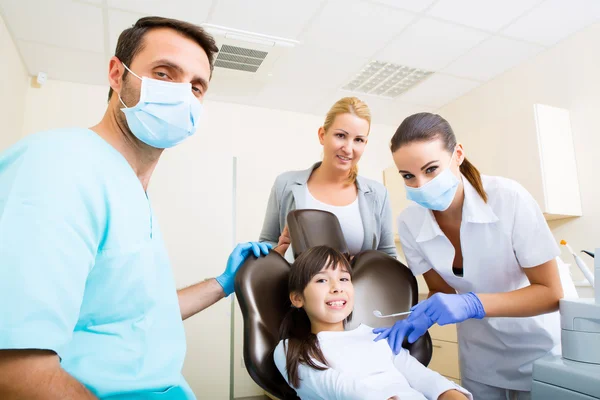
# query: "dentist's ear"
(115, 74)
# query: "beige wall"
(13, 87)
(496, 124)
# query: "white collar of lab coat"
(475, 210)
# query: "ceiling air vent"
(386, 79)
(246, 55)
(239, 58)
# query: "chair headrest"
(309, 228)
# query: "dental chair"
(380, 283)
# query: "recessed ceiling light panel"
(386, 79)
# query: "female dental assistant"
(361, 205)
(488, 258)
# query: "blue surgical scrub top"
(83, 268)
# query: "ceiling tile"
(291, 97)
(118, 21)
(489, 15)
(412, 5)
(316, 67)
(62, 23)
(191, 11)
(438, 90)
(554, 20)
(65, 64)
(266, 16)
(492, 57)
(430, 44)
(355, 27)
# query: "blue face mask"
(438, 193)
(166, 114)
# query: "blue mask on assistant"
(438, 193)
(166, 114)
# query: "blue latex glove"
(395, 334)
(236, 259)
(440, 308)
(449, 308)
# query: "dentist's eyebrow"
(169, 64)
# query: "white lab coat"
(498, 239)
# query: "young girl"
(322, 361)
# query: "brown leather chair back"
(309, 228)
(261, 287)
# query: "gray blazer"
(288, 194)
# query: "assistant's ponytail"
(474, 177)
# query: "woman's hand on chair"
(452, 395)
(284, 241)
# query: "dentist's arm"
(196, 298)
(37, 374)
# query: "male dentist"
(87, 296)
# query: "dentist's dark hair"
(425, 127)
(131, 40)
(302, 346)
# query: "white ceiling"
(465, 42)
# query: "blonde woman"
(361, 205)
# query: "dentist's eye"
(197, 91)
(407, 176)
(431, 169)
(161, 75)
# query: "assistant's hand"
(395, 334)
(237, 258)
(440, 308)
(447, 309)
(284, 241)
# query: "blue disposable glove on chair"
(236, 259)
(440, 308)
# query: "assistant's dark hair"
(424, 127)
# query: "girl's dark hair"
(302, 345)
(424, 127)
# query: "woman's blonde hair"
(348, 105)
